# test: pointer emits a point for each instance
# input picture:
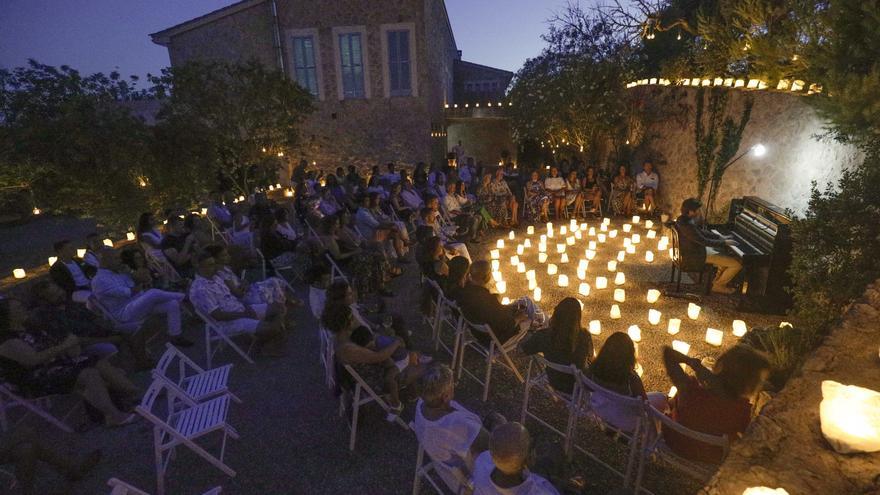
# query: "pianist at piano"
(694, 243)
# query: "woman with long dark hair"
(622, 198)
(563, 342)
(148, 235)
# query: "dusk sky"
(103, 35)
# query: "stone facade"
(786, 124)
(483, 138)
(475, 83)
(784, 446)
(361, 131)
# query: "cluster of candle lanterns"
(567, 253)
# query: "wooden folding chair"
(536, 379)
(214, 333)
(193, 384)
(358, 399)
(184, 427)
(495, 352)
(39, 406)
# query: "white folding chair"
(536, 379)
(184, 427)
(193, 384)
(159, 263)
(119, 487)
(327, 353)
(438, 474)
(40, 406)
(656, 448)
(362, 395)
(335, 271)
(633, 407)
(446, 315)
(495, 352)
(214, 333)
(117, 324)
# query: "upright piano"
(763, 237)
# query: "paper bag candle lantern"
(532, 284)
(763, 490)
(620, 295)
(530, 275)
(511, 236)
(674, 326)
(499, 244)
(681, 346)
(714, 336)
(52, 260)
(584, 289)
(653, 295)
(536, 295)
(520, 249)
(563, 281)
(649, 256)
(621, 255)
(601, 282)
(612, 266)
(505, 301)
(501, 286)
(627, 227)
(615, 312)
(527, 244)
(612, 234)
(739, 328)
(542, 257)
(595, 327)
(654, 316)
(850, 417)
(495, 254)
(19, 273)
(590, 254)
(530, 230)
(693, 311)
(552, 269)
(564, 258)
(496, 265)
(619, 279)
(635, 333)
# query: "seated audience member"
(93, 245)
(148, 235)
(340, 292)
(449, 433)
(278, 250)
(563, 342)
(377, 360)
(318, 278)
(695, 243)
(272, 290)
(199, 230)
(283, 225)
(432, 260)
(646, 183)
(574, 194)
(218, 212)
(395, 199)
(622, 199)
(555, 187)
(592, 190)
(459, 268)
(353, 179)
(22, 448)
(716, 402)
(71, 274)
(54, 315)
(117, 292)
(386, 219)
(502, 470)
(500, 200)
(483, 307)
(211, 296)
(468, 223)
(390, 177)
(369, 267)
(328, 205)
(143, 277)
(431, 218)
(37, 365)
(374, 229)
(615, 369)
(179, 246)
(411, 198)
(436, 180)
(537, 198)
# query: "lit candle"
(80, 253)
(550, 227)
(621, 255)
(505, 300)
(672, 391)
(584, 226)
(649, 224)
(578, 235)
(612, 233)
(664, 239)
(521, 267)
(649, 256)
(560, 248)
(674, 326)
(563, 258)
(601, 282)
(520, 249)
(514, 260)
(636, 238)
(584, 289)
(501, 286)
(552, 269)
(543, 239)
(542, 257)
(590, 254)
(635, 333)
(496, 265)
(494, 254)
(536, 295)
(652, 234)
(527, 244)
(52, 260)
(603, 227)
(510, 235)
(500, 244)
(583, 264)
(693, 311)
(288, 193)
(572, 225)
(532, 284)
(619, 279)
(595, 327)
(662, 245)
(592, 231)
(581, 273)
(601, 238)
(619, 295)
(563, 230)
(496, 276)
(739, 328)
(606, 221)
(570, 240)
(591, 245)
(636, 219)
(627, 227)
(530, 230)
(681, 346)
(615, 312)
(108, 242)
(130, 236)
(653, 295)
(631, 249)
(19, 273)
(530, 275)
(714, 337)
(627, 242)
(542, 247)
(654, 316)
(563, 281)
(612, 266)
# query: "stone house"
(382, 72)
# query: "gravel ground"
(293, 442)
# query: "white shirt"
(209, 295)
(91, 259)
(483, 484)
(554, 183)
(366, 223)
(451, 203)
(113, 290)
(79, 278)
(448, 438)
(644, 179)
(411, 199)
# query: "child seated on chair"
(374, 362)
(503, 469)
(449, 432)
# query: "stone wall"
(483, 139)
(784, 447)
(785, 124)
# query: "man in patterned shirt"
(210, 295)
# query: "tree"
(242, 119)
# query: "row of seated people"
(716, 401)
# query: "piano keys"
(763, 234)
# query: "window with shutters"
(399, 73)
(304, 66)
(351, 64)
